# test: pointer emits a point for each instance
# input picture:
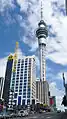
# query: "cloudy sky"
(19, 21)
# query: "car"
(26, 112)
(40, 111)
(21, 113)
(58, 111)
(13, 115)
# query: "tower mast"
(41, 11)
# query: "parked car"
(13, 115)
(21, 113)
(58, 111)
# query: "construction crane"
(15, 57)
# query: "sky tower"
(42, 34)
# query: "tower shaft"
(42, 50)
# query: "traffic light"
(64, 102)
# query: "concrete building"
(1, 86)
(23, 82)
(7, 79)
(42, 92)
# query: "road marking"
(49, 117)
(33, 117)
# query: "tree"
(64, 102)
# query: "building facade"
(52, 101)
(23, 82)
(7, 79)
(42, 92)
(1, 86)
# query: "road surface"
(48, 115)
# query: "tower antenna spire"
(41, 10)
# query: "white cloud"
(58, 93)
(3, 66)
(20, 54)
(5, 4)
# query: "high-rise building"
(42, 34)
(7, 79)
(23, 82)
(1, 86)
(42, 92)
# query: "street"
(48, 115)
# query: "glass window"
(20, 93)
(17, 77)
(25, 81)
(17, 70)
(25, 72)
(23, 102)
(22, 64)
(25, 63)
(21, 77)
(24, 89)
(16, 90)
(16, 87)
(24, 86)
(13, 79)
(25, 76)
(19, 100)
(25, 66)
(21, 72)
(12, 84)
(28, 89)
(15, 95)
(28, 101)
(20, 90)
(28, 96)
(24, 93)
(20, 83)
(16, 84)
(24, 96)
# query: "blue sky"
(19, 21)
